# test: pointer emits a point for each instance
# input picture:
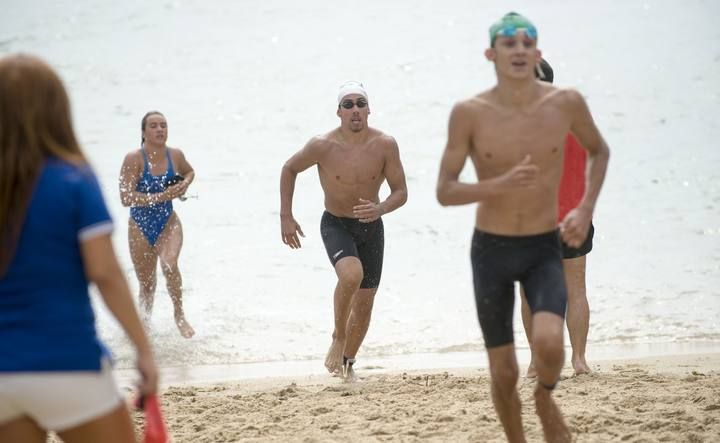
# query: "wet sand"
(668, 398)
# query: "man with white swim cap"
(349, 88)
(353, 161)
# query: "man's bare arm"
(395, 176)
(583, 127)
(300, 161)
(450, 191)
(368, 211)
(575, 226)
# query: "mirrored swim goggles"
(510, 30)
(349, 104)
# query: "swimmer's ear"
(490, 54)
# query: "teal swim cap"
(510, 24)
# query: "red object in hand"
(155, 429)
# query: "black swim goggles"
(349, 104)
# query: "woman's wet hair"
(35, 124)
(143, 123)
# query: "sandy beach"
(246, 84)
(668, 398)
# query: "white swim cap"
(351, 87)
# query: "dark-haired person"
(572, 188)
(150, 178)
(55, 373)
(353, 161)
(514, 133)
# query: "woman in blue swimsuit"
(154, 230)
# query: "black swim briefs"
(498, 261)
(349, 237)
(584, 249)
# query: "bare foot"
(334, 361)
(531, 372)
(185, 329)
(553, 424)
(581, 366)
(348, 373)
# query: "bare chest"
(502, 140)
(351, 166)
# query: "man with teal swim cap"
(514, 133)
(509, 25)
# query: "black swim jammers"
(498, 261)
(349, 237)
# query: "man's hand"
(522, 175)
(289, 230)
(575, 226)
(367, 211)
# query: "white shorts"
(58, 401)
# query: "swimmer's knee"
(170, 268)
(548, 347)
(504, 371)
(350, 275)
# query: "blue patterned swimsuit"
(152, 219)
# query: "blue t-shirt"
(46, 319)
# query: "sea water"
(245, 84)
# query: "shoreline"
(239, 372)
(638, 399)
